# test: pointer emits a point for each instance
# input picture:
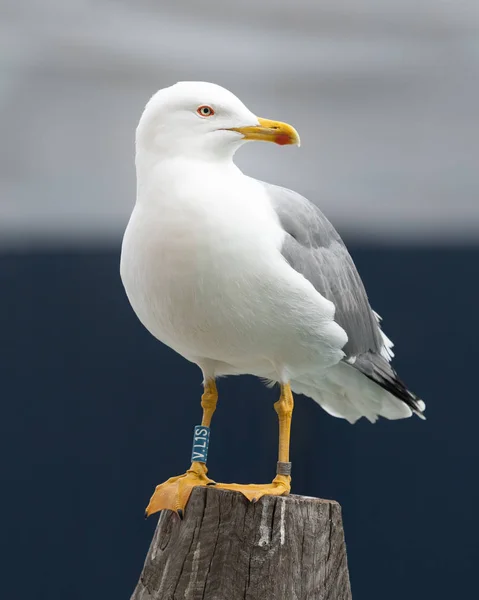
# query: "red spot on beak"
(282, 139)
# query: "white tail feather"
(345, 392)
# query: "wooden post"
(279, 548)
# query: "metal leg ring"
(283, 468)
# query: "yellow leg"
(209, 399)
(282, 482)
(174, 493)
(284, 409)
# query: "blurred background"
(95, 412)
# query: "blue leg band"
(201, 441)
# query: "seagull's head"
(203, 120)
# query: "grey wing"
(314, 248)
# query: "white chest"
(190, 251)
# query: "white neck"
(154, 171)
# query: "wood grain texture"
(280, 548)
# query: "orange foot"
(175, 492)
(281, 485)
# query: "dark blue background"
(95, 413)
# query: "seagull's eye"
(205, 111)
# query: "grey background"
(384, 95)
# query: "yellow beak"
(270, 131)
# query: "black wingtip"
(377, 369)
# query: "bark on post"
(279, 548)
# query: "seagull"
(240, 276)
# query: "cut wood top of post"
(280, 547)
